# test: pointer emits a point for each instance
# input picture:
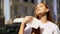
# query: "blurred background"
(12, 10)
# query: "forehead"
(40, 4)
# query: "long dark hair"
(49, 18)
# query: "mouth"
(38, 9)
(39, 13)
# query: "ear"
(47, 10)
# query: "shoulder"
(53, 25)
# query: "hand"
(27, 19)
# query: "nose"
(37, 10)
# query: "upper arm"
(27, 30)
(56, 30)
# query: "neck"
(44, 19)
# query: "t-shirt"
(46, 28)
(59, 31)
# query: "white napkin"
(35, 23)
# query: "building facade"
(1, 12)
(22, 8)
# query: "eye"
(41, 6)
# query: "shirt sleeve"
(56, 30)
(27, 30)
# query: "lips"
(38, 10)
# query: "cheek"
(40, 10)
(43, 9)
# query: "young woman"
(46, 25)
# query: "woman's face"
(41, 9)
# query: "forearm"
(24, 22)
(21, 31)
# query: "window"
(15, 0)
(1, 7)
(21, 9)
(1, 12)
(59, 5)
(58, 13)
(25, 0)
(32, 1)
